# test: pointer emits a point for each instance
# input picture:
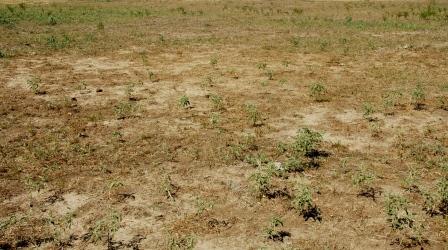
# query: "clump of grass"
(3, 54)
(253, 115)
(390, 100)
(214, 119)
(52, 20)
(397, 210)
(318, 92)
(184, 102)
(303, 203)
(124, 110)
(368, 111)
(105, 228)
(181, 243)
(273, 231)
(55, 42)
(217, 102)
(418, 97)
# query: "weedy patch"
(184, 102)
(104, 229)
(125, 110)
(253, 115)
(217, 102)
(418, 97)
(273, 231)
(318, 92)
(303, 203)
(368, 111)
(397, 211)
(181, 242)
(306, 143)
(261, 183)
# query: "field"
(131, 124)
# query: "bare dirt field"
(223, 124)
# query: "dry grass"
(99, 148)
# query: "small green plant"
(442, 188)
(261, 183)
(52, 20)
(418, 97)
(306, 142)
(214, 119)
(181, 243)
(397, 210)
(410, 183)
(318, 92)
(253, 115)
(184, 102)
(363, 181)
(368, 111)
(273, 231)
(303, 203)
(217, 102)
(3, 54)
(124, 110)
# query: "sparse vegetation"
(397, 210)
(303, 203)
(318, 92)
(184, 102)
(173, 124)
(253, 115)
